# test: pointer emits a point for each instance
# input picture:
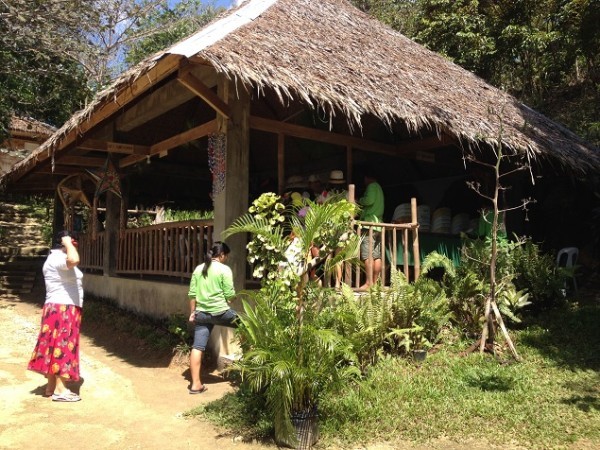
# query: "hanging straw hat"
(314, 179)
(336, 177)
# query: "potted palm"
(288, 357)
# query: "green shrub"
(537, 272)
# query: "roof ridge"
(207, 36)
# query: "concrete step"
(4, 291)
(30, 251)
(16, 284)
(20, 267)
(11, 277)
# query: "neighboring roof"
(24, 126)
(330, 54)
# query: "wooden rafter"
(175, 141)
(84, 161)
(406, 148)
(204, 92)
(113, 147)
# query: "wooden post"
(232, 202)
(349, 162)
(280, 163)
(414, 221)
(111, 233)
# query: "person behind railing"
(211, 288)
(372, 203)
(334, 191)
(335, 187)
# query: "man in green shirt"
(372, 204)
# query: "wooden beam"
(113, 147)
(131, 159)
(84, 161)
(162, 100)
(204, 92)
(168, 144)
(59, 170)
(183, 138)
(110, 106)
(406, 148)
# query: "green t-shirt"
(211, 293)
(372, 203)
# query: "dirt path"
(130, 400)
(124, 406)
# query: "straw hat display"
(424, 217)
(442, 221)
(402, 213)
(336, 177)
(460, 223)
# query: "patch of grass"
(550, 400)
(243, 413)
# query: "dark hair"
(58, 238)
(218, 248)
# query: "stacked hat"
(460, 223)
(442, 220)
(402, 213)
(424, 217)
(336, 177)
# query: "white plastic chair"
(567, 257)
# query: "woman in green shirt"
(211, 288)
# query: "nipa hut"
(271, 89)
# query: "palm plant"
(289, 356)
(292, 366)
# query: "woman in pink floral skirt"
(56, 354)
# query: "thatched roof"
(330, 54)
(25, 126)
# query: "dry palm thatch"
(329, 54)
(30, 127)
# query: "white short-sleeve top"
(63, 285)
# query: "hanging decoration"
(107, 180)
(217, 159)
(70, 192)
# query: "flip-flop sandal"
(67, 396)
(198, 391)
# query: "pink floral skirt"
(57, 348)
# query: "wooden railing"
(171, 249)
(174, 249)
(391, 233)
(168, 249)
(91, 251)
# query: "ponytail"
(219, 248)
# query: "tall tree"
(37, 79)
(56, 53)
(166, 25)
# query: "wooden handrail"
(171, 249)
